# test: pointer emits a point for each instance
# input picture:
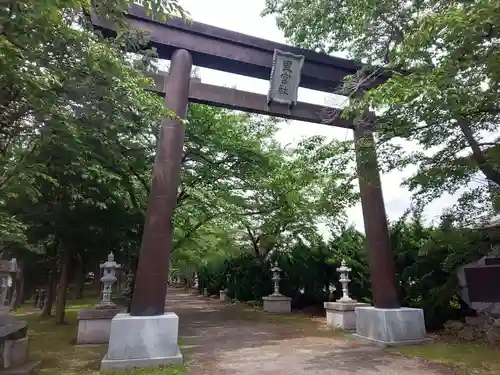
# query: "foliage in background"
(77, 135)
(426, 263)
(443, 94)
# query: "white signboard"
(285, 77)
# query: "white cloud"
(244, 17)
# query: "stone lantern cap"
(111, 262)
(343, 267)
(275, 268)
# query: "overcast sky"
(244, 17)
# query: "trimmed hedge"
(426, 261)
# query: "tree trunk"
(62, 286)
(80, 281)
(18, 290)
(13, 297)
(49, 297)
(479, 155)
(97, 277)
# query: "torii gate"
(207, 46)
(203, 45)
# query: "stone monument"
(276, 302)
(475, 278)
(94, 325)
(13, 333)
(341, 313)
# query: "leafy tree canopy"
(443, 93)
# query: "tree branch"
(255, 241)
(477, 153)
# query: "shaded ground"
(234, 340)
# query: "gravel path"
(220, 339)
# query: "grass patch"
(467, 357)
(54, 345)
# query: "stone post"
(276, 302)
(223, 295)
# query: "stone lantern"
(276, 302)
(94, 324)
(276, 279)
(341, 313)
(8, 270)
(13, 332)
(344, 281)
(108, 279)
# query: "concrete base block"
(388, 327)
(19, 352)
(142, 341)
(223, 296)
(341, 314)
(94, 325)
(277, 304)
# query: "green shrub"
(426, 261)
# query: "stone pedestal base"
(205, 292)
(142, 341)
(19, 352)
(340, 314)
(14, 359)
(387, 327)
(277, 304)
(94, 325)
(14, 353)
(223, 295)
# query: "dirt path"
(218, 339)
